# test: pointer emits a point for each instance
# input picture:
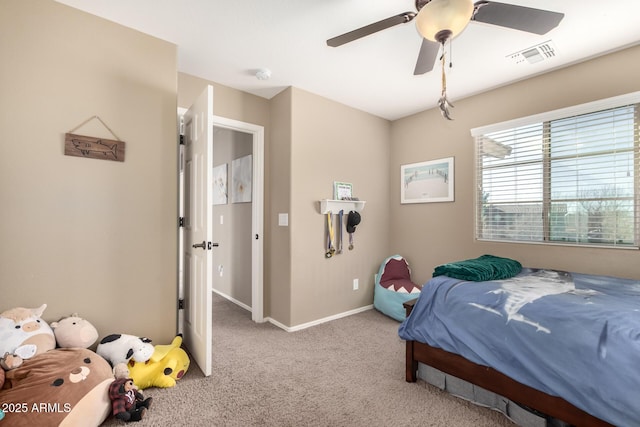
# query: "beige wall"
(435, 233)
(332, 142)
(90, 236)
(315, 142)
(279, 247)
(227, 102)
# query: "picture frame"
(427, 182)
(241, 179)
(342, 190)
(220, 184)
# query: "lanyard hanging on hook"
(330, 246)
(340, 216)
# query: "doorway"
(232, 212)
(244, 216)
(255, 135)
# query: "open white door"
(198, 159)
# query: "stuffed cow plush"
(120, 348)
(24, 333)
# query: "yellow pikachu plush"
(168, 364)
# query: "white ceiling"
(227, 41)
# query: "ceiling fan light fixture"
(440, 20)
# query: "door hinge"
(181, 139)
(180, 304)
(181, 221)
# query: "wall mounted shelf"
(335, 206)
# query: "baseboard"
(233, 300)
(319, 321)
(297, 327)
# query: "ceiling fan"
(441, 20)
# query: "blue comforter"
(570, 335)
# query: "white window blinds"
(570, 176)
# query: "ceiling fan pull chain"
(444, 74)
(443, 102)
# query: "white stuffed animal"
(119, 348)
(23, 332)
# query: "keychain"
(353, 219)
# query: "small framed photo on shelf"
(342, 191)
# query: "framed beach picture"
(427, 182)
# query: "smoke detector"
(534, 54)
(263, 74)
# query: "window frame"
(545, 119)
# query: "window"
(567, 177)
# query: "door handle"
(205, 245)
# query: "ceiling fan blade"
(426, 57)
(522, 18)
(402, 18)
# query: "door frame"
(257, 212)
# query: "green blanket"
(486, 267)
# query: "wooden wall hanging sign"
(92, 147)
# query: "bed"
(565, 345)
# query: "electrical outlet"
(355, 284)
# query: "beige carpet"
(348, 372)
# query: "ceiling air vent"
(534, 54)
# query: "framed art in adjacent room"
(220, 184)
(427, 182)
(241, 179)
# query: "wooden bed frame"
(494, 381)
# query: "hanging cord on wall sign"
(100, 120)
